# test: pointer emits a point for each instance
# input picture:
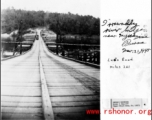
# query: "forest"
(60, 23)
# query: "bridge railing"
(83, 52)
(15, 47)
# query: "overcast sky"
(82, 7)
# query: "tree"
(57, 22)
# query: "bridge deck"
(72, 87)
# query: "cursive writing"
(109, 35)
(128, 22)
(111, 30)
(145, 50)
(130, 32)
(129, 42)
(125, 36)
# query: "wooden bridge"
(42, 86)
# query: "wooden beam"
(47, 105)
(53, 43)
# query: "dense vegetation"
(58, 22)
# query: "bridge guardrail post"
(57, 47)
(63, 52)
(98, 57)
(94, 56)
(68, 52)
(21, 48)
(84, 56)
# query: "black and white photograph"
(50, 59)
(76, 60)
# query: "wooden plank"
(93, 45)
(62, 84)
(31, 99)
(76, 116)
(70, 94)
(75, 104)
(19, 80)
(75, 98)
(20, 116)
(27, 67)
(47, 106)
(20, 76)
(66, 72)
(20, 104)
(14, 88)
(74, 92)
(71, 84)
(15, 91)
(21, 110)
(54, 104)
(78, 89)
(24, 119)
(18, 71)
(54, 70)
(74, 87)
(20, 84)
(68, 80)
(70, 116)
(74, 109)
(59, 76)
(24, 87)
